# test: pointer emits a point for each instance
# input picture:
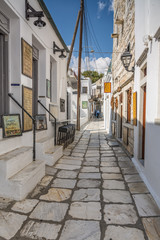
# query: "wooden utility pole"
(79, 66)
(73, 40)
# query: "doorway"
(4, 85)
(35, 88)
(144, 122)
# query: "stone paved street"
(92, 193)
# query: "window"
(84, 89)
(53, 80)
(129, 94)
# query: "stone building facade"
(123, 81)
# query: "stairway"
(18, 173)
(46, 151)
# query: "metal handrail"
(55, 134)
(34, 124)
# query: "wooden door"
(121, 121)
(144, 122)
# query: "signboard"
(135, 108)
(62, 105)
(48, 88)
(84, 104)
(107, 87)
(27, 104)
(41, 122)
(11, 125)
(26, 59)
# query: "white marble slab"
(113, 184)
(91, 163)
(10, 223)
(35, 230)
(108, 159)
(90, 194)
(121, 214)
(70, 162)
(108, 164)
(63, 183)
(50, 211)
(90, 175)
(110, 169)
(146, 205)
(123, 233)
(139, 187)
(81, 230)
(131, 170)
(25, 206)
(152, 227)
(112, 176)
(85, 183)
(89, 169)
(67, 166)
(88, 211)
(133, 178)
(116, 196)
(56, 194)
(67, 174)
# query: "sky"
(97, 36)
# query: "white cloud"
(100, 65)
(111, 6)
(101, 7)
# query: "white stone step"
(14, 161)
(41, 134)
(9, 144)
(22, 183)
(52, 155)
(43, 145)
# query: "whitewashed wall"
(147, 22)
(42, 39)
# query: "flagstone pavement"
(92, 193)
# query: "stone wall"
(124, 10)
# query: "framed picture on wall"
(41, 122)
(27, 96)
(27, 59)
(84, 104)
(11, 125)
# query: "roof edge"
(48, 15)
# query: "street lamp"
(126, 59)
(57, 49)
(31, 12)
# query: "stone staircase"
(46, 151)
(19, 174)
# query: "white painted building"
(85, 106)
(107, 111)
(72, 96)
(30, 70)
(147, 86)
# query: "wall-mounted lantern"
(31, 12)
(126, 59)
(57, 49)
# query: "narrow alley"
(92, 193)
